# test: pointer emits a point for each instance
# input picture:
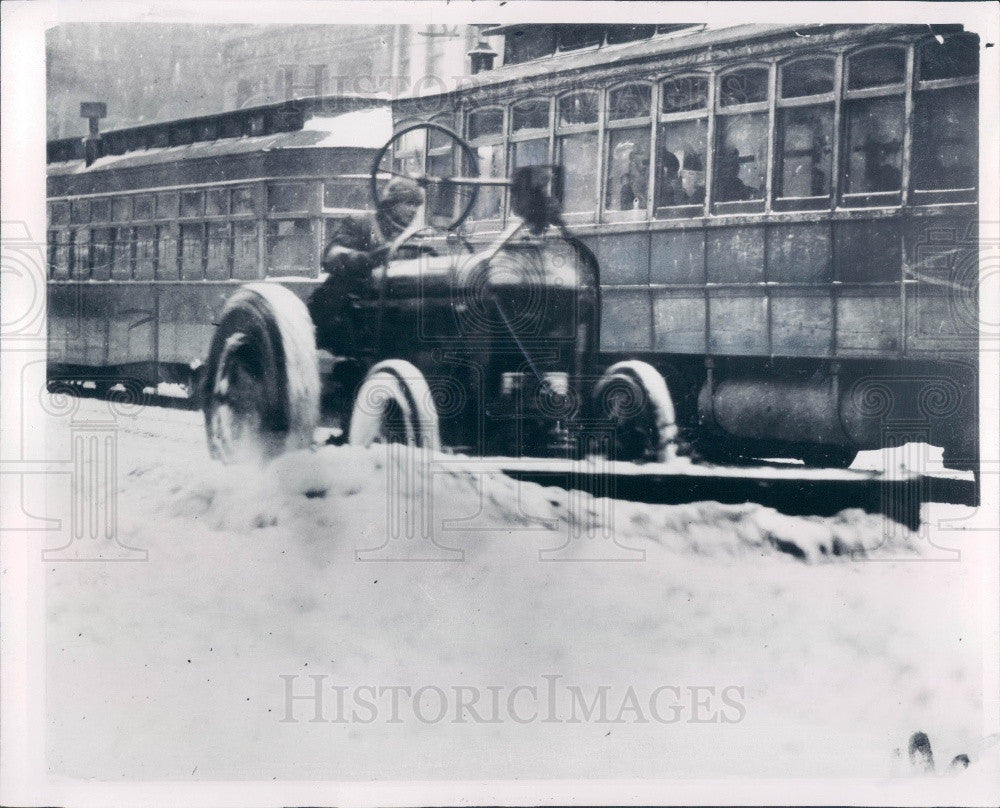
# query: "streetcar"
(784, 220)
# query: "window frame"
(831, 99)
(500, 139)
(561, 131)
(619, 124)
(660, 118)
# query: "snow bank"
(785, 646)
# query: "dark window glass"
(631, 101)
(351, 194)
(578, 108)
(441, 198)
(946, 138)
(59, 213)
(245, 249)
(62, 257)
(192, 251)
(685, 93)
(629, 33)
(874, 147)
(217, 202)
(485, 123)
(167, 205)
(877, 67)
(627, 185)
(121, 259)
(143, 207)
(81, 211)
(290, 198)
(530, 42)
(290, 247)
(100, 210)
(436, 139)
(743, 87)
(956, 56)
(102, 242)
(529, 153)
(531, 114)
(53, 239)
(681, 163)
(489, 201)
(145, 252)
(121, 209)
(217, 251)
(740, 157)
(166, 252)
(578, 156)
(192, 203)
(811, 76)
(242, 201)
(580, 36)
(805, 151)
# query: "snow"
(833, 638)
(361, 128)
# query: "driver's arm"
(350, 249)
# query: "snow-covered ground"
(723, 640)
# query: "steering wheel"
(425, 153)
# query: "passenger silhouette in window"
(728, 185)
(881, 173)
(633, 190)
(671, 185)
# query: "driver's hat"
(402, 189)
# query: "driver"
(358, 245)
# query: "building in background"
(149, 72)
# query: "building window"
(145, 252)
(192, 252)
(100, 210)
(102, 242)
(217, 202)
(121, 258)
(804, 136)
(167, 205)
(121, 208)
(245, 251)
(79, 254)
(217, 251)
(192, 204)
(81, 211)
(242, 201)
(142, 207)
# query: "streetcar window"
(242, 201)
(51, 252)
(579, 108)
(627, 184)
(576, 36)
(102, 240)
(630, 101)
(245, 254)
(192, 251)
(740, 157)
(192, 204)
(440, 203)
(578, 156)
(951, 57)
(684, 94)
(681, 163)
(804, 151)
(290, 247)
(945, 138)
(530, 42)
(531, 114)
(100, 210)
(79, 254)
(629, 33)
(167, 205)
(145, 252)
(529, 153)
(809, 76)
(59, 213)
(143, 207)
(217, 202)
(121, 208)
(489, 200)
(351, 194)
(747, 86)
(485, 123)
(81, 211)
(289, 198)
(876, 67)
(874, 145)
(166, 252)
(121, 255)
(218, 251)
(60, 261)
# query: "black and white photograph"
(500, 403)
